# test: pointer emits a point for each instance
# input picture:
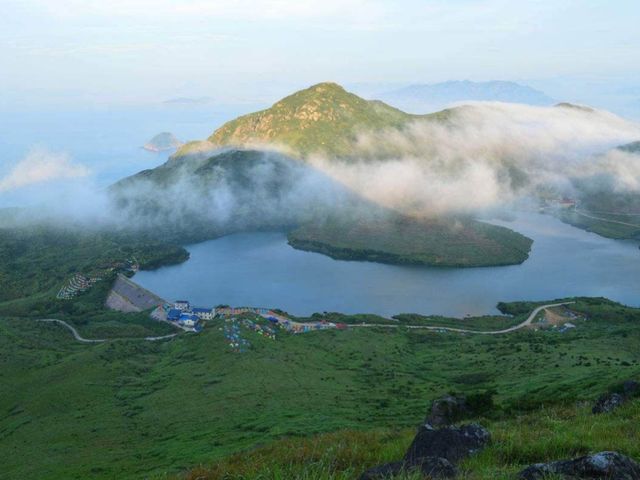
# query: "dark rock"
(429, 467)
(601, 466)
(447, 410)
(383, 471)
(630, 389)
(608, 403)
(450, 443)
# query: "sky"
(250, 51)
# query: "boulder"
(608, 403)
(429, 467)
(450, 443)
(601, 466)
(447, 410)
(630, 389)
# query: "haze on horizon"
(85, 52)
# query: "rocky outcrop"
(608, 402)
(447, 410)
(601, 466)
(451, 443)
(434, 452)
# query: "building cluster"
(188, 316)
(76, 285)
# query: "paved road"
(80, 338)
(524, 324)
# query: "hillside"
(432, 97)
(324, 118)
(134, 409)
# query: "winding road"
(521, 325)
(80, 338)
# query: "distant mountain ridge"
(423, 98)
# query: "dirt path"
(521, 325)
(80, 338)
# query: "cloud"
(41, 166)
(489, 154)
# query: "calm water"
(260, 269)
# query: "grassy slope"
(134, 408)
(517, 441)
(442, 242)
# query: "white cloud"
(40, 166)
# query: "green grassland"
(446, 242)
(131, 409)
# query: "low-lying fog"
(488, 155)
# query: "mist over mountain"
(427, 164)
(323, 151)
(423, 98)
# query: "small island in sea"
(162, 142)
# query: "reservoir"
(261, 269)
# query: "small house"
(182, 305)
(203, 313)
(174, 315)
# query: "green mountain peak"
(324, 118)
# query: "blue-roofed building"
(203, 313)
(188, 320)
(174, 315)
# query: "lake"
(261, 269)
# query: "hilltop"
(324, 118)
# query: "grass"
(542, 435)
(135, 409)
(446, 242)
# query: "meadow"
(135, 409)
